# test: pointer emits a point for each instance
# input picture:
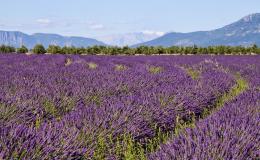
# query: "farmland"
(129, 107)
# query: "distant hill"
(17, 39)
(130, 38)
(244, 32)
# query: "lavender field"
(129, 107)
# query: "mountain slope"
(130, 38)
(17, 39)
(244, 32)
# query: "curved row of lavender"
(76, 107)
(231, 133)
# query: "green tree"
(160, 50)
(6, 49)
(54, 49)
(126, 50)
(194, 49)
(143, 50)
(65, 50)
(39, 49)
(254, 48)
(81, 50)
(22, 49)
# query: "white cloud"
(151, 32)
(97, 26)
(44, 21)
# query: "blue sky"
(92, 18)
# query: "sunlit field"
(129, 107)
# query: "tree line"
(146, 50)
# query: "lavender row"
(231, 133)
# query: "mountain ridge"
(245, 31)
(17, 38)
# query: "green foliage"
(93, 98)
(39, 49)
(50, 108)
(22, 49)
(18, 155)
(38, 122)
(100, 149)
(66, 105)
(6, 49)
(72, 50)
(53, 49)
(7, 112)
(143, 50)
(127, 148)
(132, 150)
